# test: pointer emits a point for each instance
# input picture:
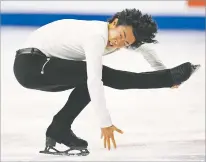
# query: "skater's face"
(119, 36)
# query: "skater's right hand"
(108, 133)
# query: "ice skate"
(72, 142)
(183, 72)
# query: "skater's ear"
(113, 24)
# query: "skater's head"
(131, 28)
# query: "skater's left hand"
(108, 134)
(175, 86)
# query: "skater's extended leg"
(119, 79)
(167, 78)
(69, 74)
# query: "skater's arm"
(151, 57)
(94, 50)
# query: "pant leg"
(63, 120)
(69, 74)
(119, 79)
(78, 99)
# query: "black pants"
(59, 75)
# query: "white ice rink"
(158, 125)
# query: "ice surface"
(159, 125)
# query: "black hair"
(143, 26)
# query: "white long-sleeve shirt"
(78, 40)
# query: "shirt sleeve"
(94, 50)
(151, 57)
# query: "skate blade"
(195, 68)
(84, 152)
